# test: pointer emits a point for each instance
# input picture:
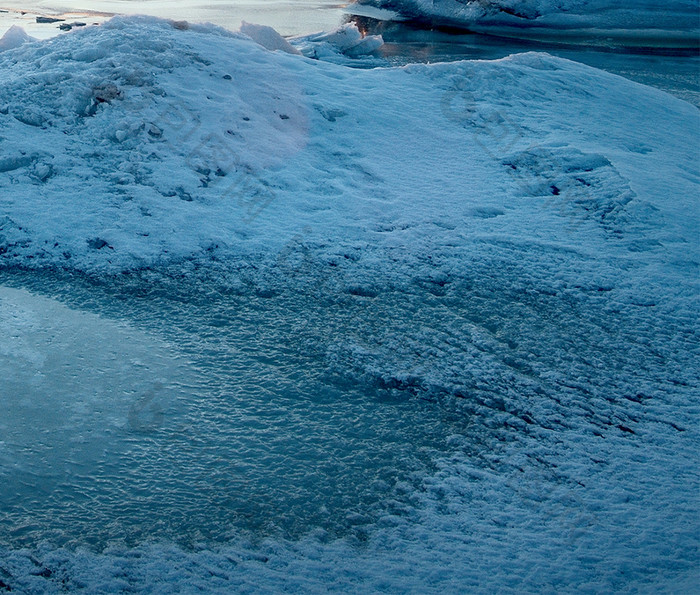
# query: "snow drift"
(516, 238)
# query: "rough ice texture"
(545, 213)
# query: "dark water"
(676, 71)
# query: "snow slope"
(654, 21)
(516, 239)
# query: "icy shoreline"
(650, 23)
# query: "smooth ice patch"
(71, 372)
(70, 380)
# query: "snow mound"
(138, 144)
(516, 238)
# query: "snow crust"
(517, 236)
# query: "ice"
(426, 328)
(653, 21)
(14, 37)
(289, 17)
(185, 433)
(70, 375)
(338, 45)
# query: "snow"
(654, 21)
(346, 45)
(267, 37)
(513, 241)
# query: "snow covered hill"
(517, 238)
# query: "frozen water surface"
(200, 418)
